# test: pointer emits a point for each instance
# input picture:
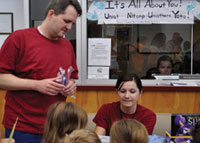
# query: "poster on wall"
(6, 23)
(144, 11)
(99, 51)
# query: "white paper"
(98, 72)
(182, 83)
(104, 139)
(166, 77)
(99, 51)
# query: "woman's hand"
(100, 131)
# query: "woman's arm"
(100, 131)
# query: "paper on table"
(105, 139)
(179, 83)
(166, 77)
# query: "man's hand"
(49, 86)
(70, 89)
(6, 140)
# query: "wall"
(19, 8)
(158, 101)
(20, 11)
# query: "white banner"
(144, 11)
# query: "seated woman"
(82, 136)
(165, 65)
(128, 131)
(129, 90)
(63, 118)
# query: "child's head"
(63, 118)
(165, 65)
(82, 136)
(128, 131)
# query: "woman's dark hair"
(128, 77)
(59, 6)
(150, 72)
(164, 58)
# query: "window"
(137, 48)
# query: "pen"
(12, 132)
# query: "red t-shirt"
(109, 113)
(28, 54)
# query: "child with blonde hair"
(62, 119)
(128, 131)
(82, 136)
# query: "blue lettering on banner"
(177, 15)
(134, 3)
(150, 4)
(114, 5)
(152, 15)
(133, 15)
(109, 16)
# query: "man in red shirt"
(29, 62)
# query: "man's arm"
(45, 86)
